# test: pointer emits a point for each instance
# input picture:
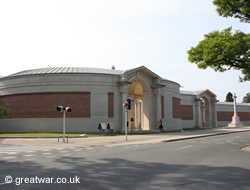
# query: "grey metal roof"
(192, 92)
(61, 70)
(81, 70)
(188, 92)
(197, 93)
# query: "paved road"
(215, 162)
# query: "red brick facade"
(110, 104)
(186, 112)
(43, 105)
(176, 106)
(227, 116)
(162, 106)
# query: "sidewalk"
(120, 140)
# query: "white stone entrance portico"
(144, 87)
(207, 109)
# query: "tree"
(4, 112)
(222, 51)
(246, 98)
(229, 97)
(234, 8)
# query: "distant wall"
(225, 112)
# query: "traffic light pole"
(128, 106)
(126, 127)
(64, 110)
(64, 126)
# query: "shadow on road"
(112, 173)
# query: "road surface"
(215, 162)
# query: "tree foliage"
(222, 51)
(229, 97)
(246, 98)
(4, 112)
(234, 8)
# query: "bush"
(4, 112)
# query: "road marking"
(10, 157)
(47, 153)
(183, 147)
(27, 155)
(12, 152)
(77, 150)
(6, 152)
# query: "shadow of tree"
(117, 173)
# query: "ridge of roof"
(142, 68)
(197, 93)
(62, 70)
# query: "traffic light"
(60, 108)
(130, 100)
(68, 109)
(128, 104)
(125, 105)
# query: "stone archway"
(205, 109)
(205, 112)
(137, 116)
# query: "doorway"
(136, 116)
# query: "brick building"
(97, 95)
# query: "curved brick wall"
(43, 105)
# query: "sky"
(124, 33)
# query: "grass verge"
(35, 134)
(60, 134)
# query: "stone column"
(235, 106)
(157, 86)
(124, 91)
(213, 112)
(157, 93)
(235, 119)
(203, 110)
(198, 112)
